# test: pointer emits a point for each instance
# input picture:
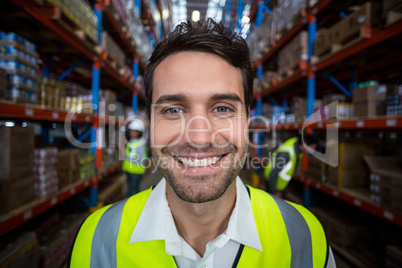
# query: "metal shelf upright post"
(95, 133)
(312, 29)
(136, 67)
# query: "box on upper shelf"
(369, 101)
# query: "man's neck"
(200, 223)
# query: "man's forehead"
(196, 74)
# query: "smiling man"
(199, 88)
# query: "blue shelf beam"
(69, 71)
(336, 83)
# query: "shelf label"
(360, 123)
(53, 201)
(391, 122)
(388, 215)
(55, 115)
(357, 202)
(74, 117)
(87, 118)
(27, 214)
(319, 125)
(318, 185)
(335, 193)
(72, 191)
(338, 124)
(29, 112)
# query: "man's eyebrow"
(232, 97)
(170, 98)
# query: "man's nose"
(199, 130)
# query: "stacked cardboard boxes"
(294, 54)
(45, 173)
(317, 169)
(351, 171)
(345, 30)
(87, 165)
(107, 103)
(16, 165)
(113, 50)
(386, 181)
(369, 101)
(68, 167)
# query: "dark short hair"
(203, 36)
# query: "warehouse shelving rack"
(37, 207)
(351, 197)
(94, 53)
(393, 123)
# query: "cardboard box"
(368, 14)
(369, 109)
(351, 153)
(385, 170)
(16, 140)
(16, 166)
(14, 194)
(369, 93)
(348, 177)
(335, 35)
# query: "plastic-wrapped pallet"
(113, 49)
(19, 58)
(45, 177)
(288, 10)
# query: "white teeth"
(198, 162)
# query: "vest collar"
(156, 219)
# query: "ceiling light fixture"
(195, 16)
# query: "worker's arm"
(281, 160)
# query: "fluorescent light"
(195, 16)
(165, 14)
(9, 124)
(245, 19)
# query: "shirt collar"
(156, 218)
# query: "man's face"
(198, 124)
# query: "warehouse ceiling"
(184, 10)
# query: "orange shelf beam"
(339, 194)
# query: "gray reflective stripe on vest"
(104, 254)
(299, 235)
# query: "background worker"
(285, 161)
(135, 155)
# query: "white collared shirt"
(156, 223)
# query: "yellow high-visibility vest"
(290, 237)
(131, 153)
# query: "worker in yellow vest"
(199, 86)
(284, 162)
(135, 156)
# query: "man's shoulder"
(266, 201)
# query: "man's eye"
(222, 109)
(174, 110)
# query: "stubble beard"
(201, 188)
